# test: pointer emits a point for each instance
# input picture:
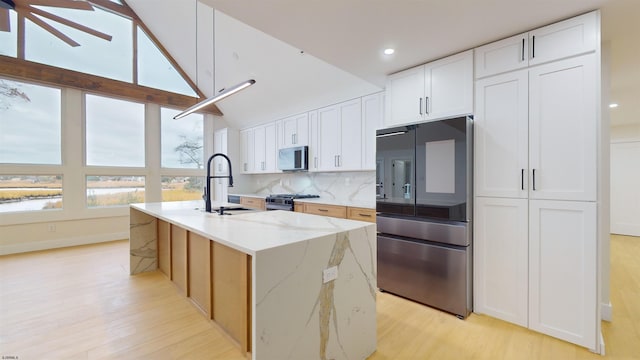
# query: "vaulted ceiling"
(307, 54)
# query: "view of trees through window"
(178, 188)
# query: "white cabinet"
(372, 118)
(247, 151)
(501, 258)
(432, 91)
(220, 165)
(258, 146)
(562, 270)
(265, 149)
(575, 36)
(502, 136)
(294, 131)
(535, 212)
(337, 137)
(562, 129)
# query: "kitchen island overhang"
(293, 308)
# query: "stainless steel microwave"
(294, 159)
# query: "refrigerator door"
(430, 274)
(395, 171)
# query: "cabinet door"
(500, 258)
(449, 86)
(314, 141)
(328, 138)
(271, 148)
(246, 151)
(571, 37)
(372, 117)
(502, 56)
(562, 129)
(295, 131)
(259, 149)
(501, 135)
(350, 135)
(404, 97)
(562, 270)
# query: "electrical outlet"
(329, 274)
(51, 227)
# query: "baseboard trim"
(60, 243)
(606, 312)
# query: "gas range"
(285, 201)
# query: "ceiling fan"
(30, 8)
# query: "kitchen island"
(266, 277)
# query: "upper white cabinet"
(336, 133)
(372, 118)
(529, 143)
(247, 147)
(258, 147)
(567, 38)
(562, 129)
(294, 131)
(502, 136)
(439, 89)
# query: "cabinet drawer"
(255, 203)
(361, 214)
(326, 210)
(298, 207)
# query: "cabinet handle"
(219, 167)
(245, 166)
(533, 49)
(323, 210)
(339, 160)
(365, 215)
(264, 165)
(315, 162)
(522, 49)
(293, 138)
(534, 179)
(420, 106)
(335, 160)
(522, 179)
(426, 105)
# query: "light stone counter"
(258, 196)
(295, 314)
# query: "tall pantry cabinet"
(536, 121)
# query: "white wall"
(625, 180)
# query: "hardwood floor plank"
(81, 303)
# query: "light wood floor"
(81, 303)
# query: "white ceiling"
(349, 36)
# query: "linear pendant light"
(212, 100)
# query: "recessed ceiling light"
(389, 51)
(613, 105)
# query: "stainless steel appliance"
(294, 158)
(423, 201)
(284, 201)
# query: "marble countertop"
(361, 204)
(249, 232)
(251, 195)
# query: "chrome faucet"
(207, 189)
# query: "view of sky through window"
(114, 132)
(30, 123)
(181, 140)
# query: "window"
(30, 124)
(104, 191)
(114, 132)
(178, 188)
(154, 70)
(182, 140)
(8, 39)
(28, 193)
(111, 59)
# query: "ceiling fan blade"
(4, 20)
(70, 23)
(55, 32)
(67, 4)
